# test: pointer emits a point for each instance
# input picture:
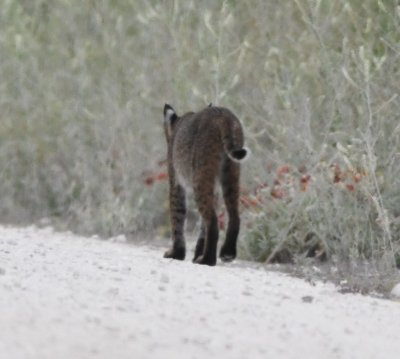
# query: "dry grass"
(314, 82)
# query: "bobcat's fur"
(204, 148)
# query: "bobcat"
(204, 148)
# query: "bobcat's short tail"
(239, 155)
(231, 133)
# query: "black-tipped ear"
(169, 114)
(210, 104)
(168, 109)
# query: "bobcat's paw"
(199, 249)
(175, 253)
(227, 254)
(205, 260)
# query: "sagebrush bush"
(315, 84)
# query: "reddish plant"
(248, 202)
(350, 187)
(282, 170)
(304, 182)
(150, 179)
(155, 175)
(277, 192)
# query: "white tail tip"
(239, 155)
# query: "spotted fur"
(204, 148)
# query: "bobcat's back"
(202, 140)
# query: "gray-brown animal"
(204, 148)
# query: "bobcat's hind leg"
(204, 197)
(178, 216)
(200, 243)
(230, 176)
(203, 231)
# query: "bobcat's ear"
(170, 117)
(169, 114)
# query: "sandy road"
(64, 296)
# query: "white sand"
(64, 296)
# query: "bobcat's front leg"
(178, 215)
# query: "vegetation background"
(315, 83)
